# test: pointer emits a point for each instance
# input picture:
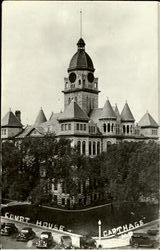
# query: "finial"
(80, 23)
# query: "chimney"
(18, 115)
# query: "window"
(83, 82)
(66, 85)
(79, 82)
(79, 147)
(77, 126)
(95, 85)
(104, 127)
(127, 129)
(112, 127)
(81, 126)
(84, 127)
(84, 147)
(63, 201)
(108, 144)
(90, 150)
(98, 148)
(108, 126)
(124, 129)
(69, 100)
(94, 148)
(65, 126)
(89, 129)
(69, 126)
(62, 127)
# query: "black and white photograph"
(80, 136)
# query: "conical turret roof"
(10, 120)
(108, 112)
(148, 121)
(73, 112)
(116, 111)
(40, 118)
(126, 115)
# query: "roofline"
(10, 126)
(73, 119)
(83, 89)
(80, 68)
(149, 126)
(111, 118)
(127, 120)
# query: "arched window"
(127, 129)
(124, 129)
(131, 129)
(94, 148)
(98, 148)
(79, 146)
(83, 82)
(79, 82)
(69, 100)
(112, 127)
(83, 147)
(104, 127)
(90, 148)
(109, 127)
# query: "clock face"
(90, 77)
(72, 77)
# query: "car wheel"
(135, 245)
(155, 245)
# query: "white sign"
(122, 229)
(38, 223)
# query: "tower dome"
(81, 60)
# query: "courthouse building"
(90, 127)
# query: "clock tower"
(81, 84)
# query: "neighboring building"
(91, 128)
(11, 125)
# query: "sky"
(39, 39)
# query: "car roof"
(26, 228)
(9, 224)
(45, 232)
(139, 234)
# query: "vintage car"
(87, 242)
(66, 242)
(45, 240)
(144, 240)
(8, 229)
(26, 234)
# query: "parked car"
(66, 242)
(45, 240)
(144, 240)
(87, 242)
(8, 229)
(26, 234)
(152, 231)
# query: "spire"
(126, 114)
(40, 117)
(108, 112)
(117, 112)
(10, 120)
(73, 112)
(147, 121)
(80, 23)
